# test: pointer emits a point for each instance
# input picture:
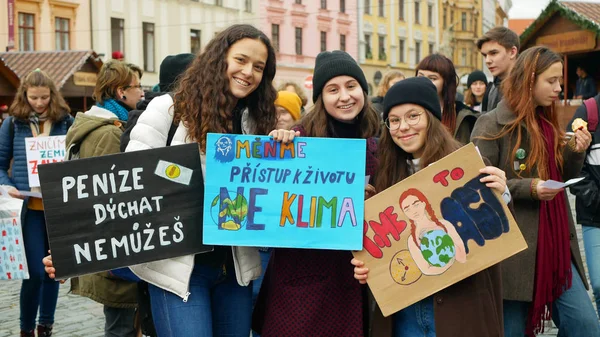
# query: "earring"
(124, 98)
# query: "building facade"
(44, 25)
(144, 32)
(461, 26)
(301, 29)
(395, 35)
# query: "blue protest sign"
(305, 194)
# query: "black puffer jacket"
(587, 192)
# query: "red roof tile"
(589, 10)
(60, 65)
(518, 25)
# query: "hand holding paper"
(553, 184)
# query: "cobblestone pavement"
(75, 316)
(79, 316)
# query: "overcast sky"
(524, 9)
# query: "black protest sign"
(120, 210)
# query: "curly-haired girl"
(226, 89)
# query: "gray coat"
(518, 272)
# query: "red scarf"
(553, 261)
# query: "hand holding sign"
(124, 209)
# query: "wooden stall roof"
(60, 65)
(584, 14)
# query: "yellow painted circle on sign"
(173, 171)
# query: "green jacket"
(97, 133)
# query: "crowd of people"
(408, 125)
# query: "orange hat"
(291, 102)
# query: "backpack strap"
(591, 106)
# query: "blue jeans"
(265, 255)
(591, 242)
(40, 291)
(573, 313)
(417, 320)
(217, 306)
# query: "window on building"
(323, 4)
(26, 32)
(195, 41)
(343, 6)
(417, 51)
(463, 57)
(148, 45)
(248, 6)
(343, 42)
(401, 10)
(275, 36)
(368, 52)
(417, 12)
(444, 21)
(463, 21)
(474, 23)
(117, 34)
(298, 41)
(219, 3)
(382, 55)
(431, 48)
(381, 8)
(323, 41)
(402, 51)
(61, 33)
(299, 2)
(367, 7)
(430, 15)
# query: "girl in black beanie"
(476, 87)
(415, 138)
(311, 292)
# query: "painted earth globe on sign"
(437, 247)
(233, 213)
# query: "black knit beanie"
(477, 75)
(330, 64)
(170, 68)
(414, 90)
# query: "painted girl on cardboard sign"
(433, 243)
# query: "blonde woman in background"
(390, 78)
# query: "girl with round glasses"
(416, 138)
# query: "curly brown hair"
(203, 99)
(20, 108)
(318, 122)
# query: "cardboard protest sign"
(13, 262)
(120, 210)
(305, 194)
(433, 229)
(43, 150)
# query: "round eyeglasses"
(411, 118)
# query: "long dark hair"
(317, 122)
(393, 160)
(203, 100)
(442, 65)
